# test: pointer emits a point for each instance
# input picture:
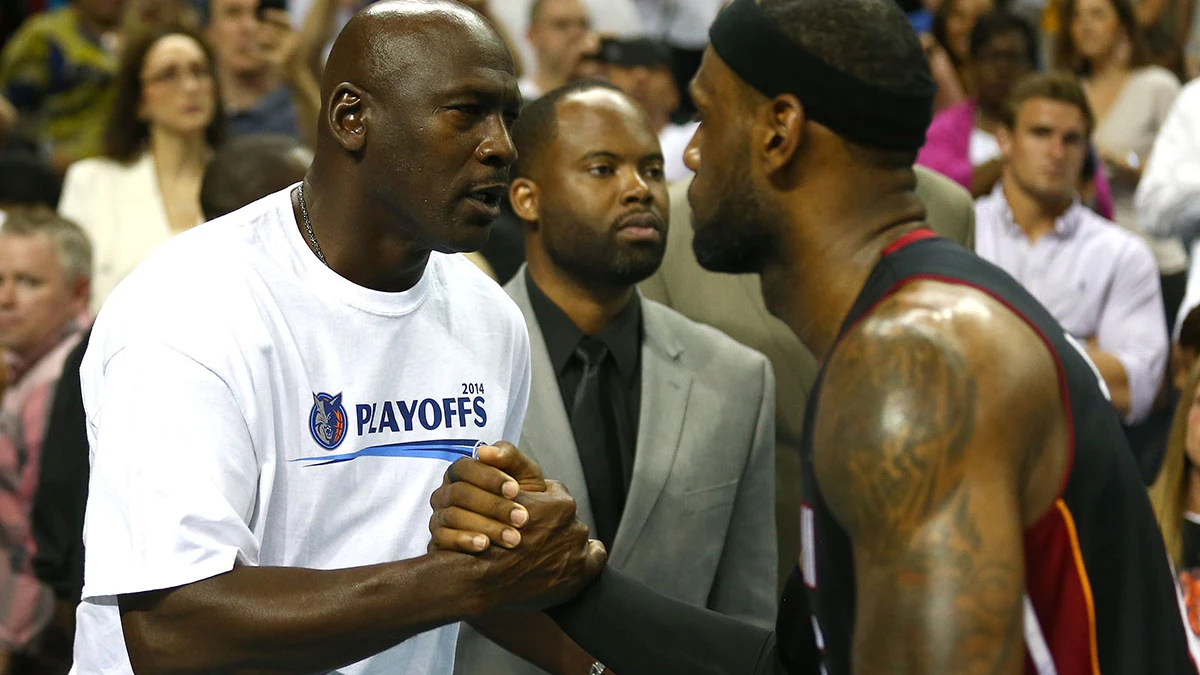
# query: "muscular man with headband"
(970, 503)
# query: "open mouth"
(489, 196)
(487, 199)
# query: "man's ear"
(525, 197)
(81, 294)
(779, 131)
(347, 117)
(1004, 138)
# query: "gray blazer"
(699, 521)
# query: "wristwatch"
(597, 669)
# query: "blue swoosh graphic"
(447, 450)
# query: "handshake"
(530, 550)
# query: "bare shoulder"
(960, 323)
(940, 385)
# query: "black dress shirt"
(621, 384)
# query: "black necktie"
(594, 438)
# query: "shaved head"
(396, 40)
(417, 100)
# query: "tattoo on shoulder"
(904, 416)
(940, 591)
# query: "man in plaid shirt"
(45, 270)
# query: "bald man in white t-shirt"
(272, 397)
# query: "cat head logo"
(327, 421)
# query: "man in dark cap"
(272, 397)
(971, 505)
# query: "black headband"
(754, 47)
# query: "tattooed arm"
(906, 456)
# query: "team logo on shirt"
(327, 421)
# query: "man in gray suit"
(734, 304)
(662, 429)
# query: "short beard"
(602, 261)
(739, 237)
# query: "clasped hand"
(522, 528)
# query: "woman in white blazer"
(146, 187)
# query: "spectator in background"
(642, 69)
(952, 25)
(1103, 45)
(1168, 196)
(614, 18)
(59, 71)
(562, 37)
(248, 168)
(1097, 280)
(45, 267)
(683, 26)
(166, 121)
(1175, 495)
(961, 141)
(266, 76)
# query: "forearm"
(290, 620)
(1115, 378)
(535, 637)
(632, 629)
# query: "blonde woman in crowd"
(1175, 495)
(165, 123)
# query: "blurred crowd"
(1072, 123)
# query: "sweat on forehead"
(393, 36)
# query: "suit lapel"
(547, 435)
(665, 388)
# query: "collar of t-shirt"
(329, 284)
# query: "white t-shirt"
(245, 402)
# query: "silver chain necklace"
(312, 238)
